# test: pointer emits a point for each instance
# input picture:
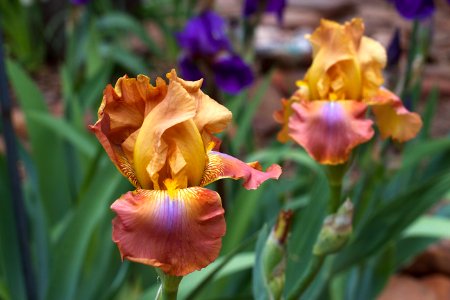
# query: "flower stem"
(335, 175)
(313, 269)
(335, 197)
(169, 286)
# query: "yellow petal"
(392, 118)
(335, 68)
(151, 149)
(372, 58)
(210, 117)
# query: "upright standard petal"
(152, 150)
(329, 130)
(335, 68)
(178, 232)
(392, 118)
(210, 117)
(222, 165)
(121, 114)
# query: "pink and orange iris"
(327, 114)
(161, 138)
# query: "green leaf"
(63, 129)
(47, 148)
(261, 289)
(393, 218)
(115, 21)
(126, 59)
(244, 122)
(10, 262)
(70, 250)
(428, 226)
(238, 263)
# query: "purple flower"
(204, 41)
(414, 9)
(232, 73)
(79, 2)
(204, 34)
(394, 49)
(271, 6)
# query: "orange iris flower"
(327, 114)
(161, 138)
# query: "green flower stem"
(335, 175)
(301, 286)
(169, 286)
(335, 197)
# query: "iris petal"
(392, 118)
(151, 150)
(221, 165)
(179, 233)
(329, 130)
(210, 117)
(121, 114)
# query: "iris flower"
(271, 6)
(327, 114)
(414, 9)
(161, 138)
(205, 43)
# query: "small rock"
(440, 285)
(401, 287)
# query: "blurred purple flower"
(394, 49)
(272, 6)
(414, 9)
(204, 35)
(232, 73)
(204, 40)
(79, 2)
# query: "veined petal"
(178, 233)
(329, 130)
(392, 118)
(221, 165)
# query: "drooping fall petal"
(178, 231)
(222, 165)
(329, 130)
(392, 118)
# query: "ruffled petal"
(178, 233)
(221, 165)
(210, 117)
(152, 150)
(372, 57)
(335, 68)
(121, 113)
(329, 130)
(392, 118)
